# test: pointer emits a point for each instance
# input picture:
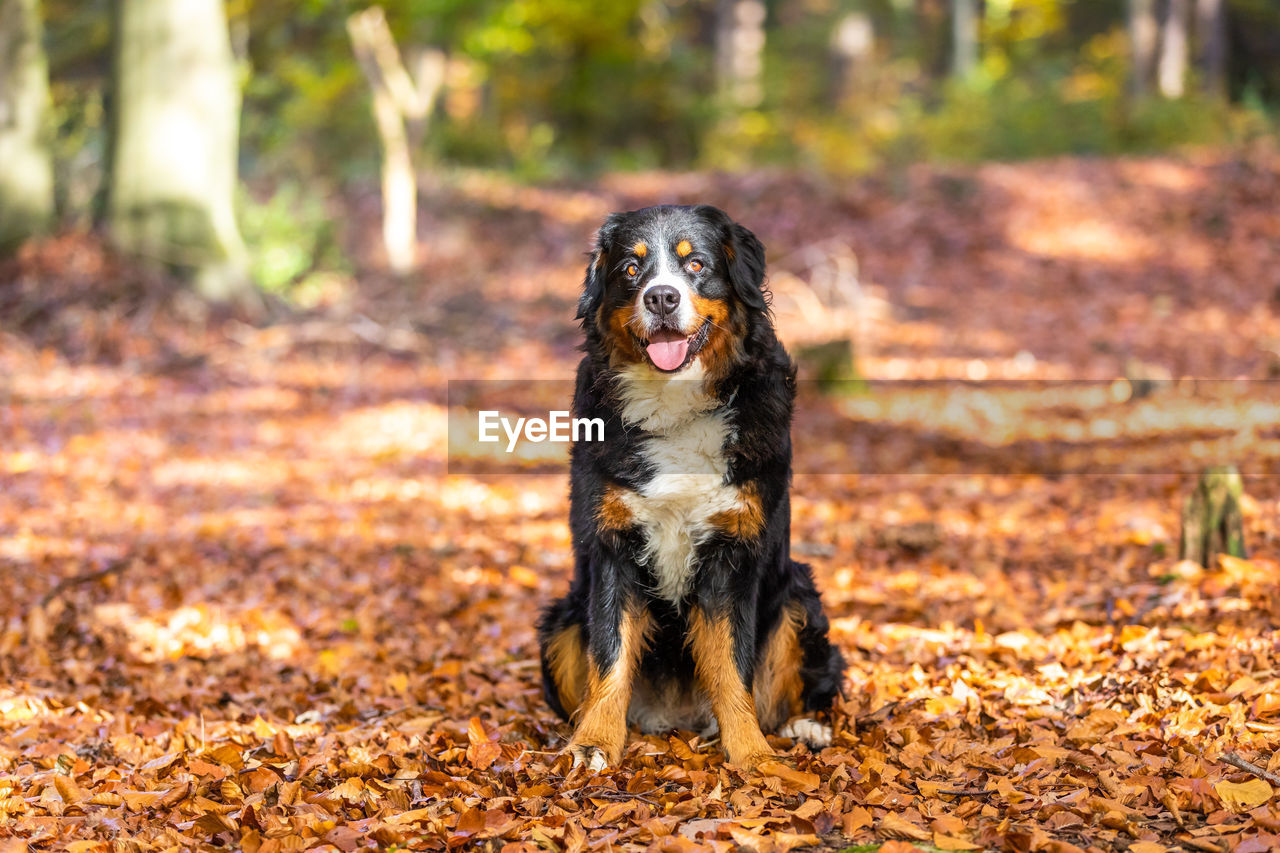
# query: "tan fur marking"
(729, 253)
(613, 513)
(602, 720)
(601, 258)
(723, 346)
(640, 249)
(747, 519)
(712, 644)
(684, 248)
(568, 667)
(623, 347)
(778, 688)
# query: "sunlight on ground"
(201, 630)
(207, 561)
(397, 429)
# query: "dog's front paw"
(594, 758)
(753, 760)
(817, 735)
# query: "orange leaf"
(895, 826)
(855, 819)
(797, 779)
(160, 762)
(136, 801)
(470, 822)
(950, 842)
(610, 814)
(1242, 796)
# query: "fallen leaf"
(1242, 796)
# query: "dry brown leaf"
(139, 800)
(895, 826)
(160, 762)
(319, 633)
(610, 814)
(1242, 796)
(796, 779)
(854, 819)
(951, 842)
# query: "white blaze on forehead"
(668, 265)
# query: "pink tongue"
(668, 355)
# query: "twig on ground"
(615, 794)
(65, 584)
(1261, 772)
(880, 713)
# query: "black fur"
(752, 580)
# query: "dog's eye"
(632, 269)
(695, 266)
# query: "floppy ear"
(745, 256)
(592, 285)
(593, 282)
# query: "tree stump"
(1211, 519)
(833, 365)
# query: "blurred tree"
(402, 105)
(1172, 71)
(1144, 31)
(964, 37)
(740, 37)
(930, 37)
(1211, 34)
(852, 53)
(26, 161)
(174, 128)
(1254, 61)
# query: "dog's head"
(671, 285)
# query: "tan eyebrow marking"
(683, 248)
(640, 249)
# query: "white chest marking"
(688, 487)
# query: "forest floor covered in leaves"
(246, 605)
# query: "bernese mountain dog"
(686, 610)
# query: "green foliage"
(550, 88)
(294, 251)
(545, 88)
(1040, 90)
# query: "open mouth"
(670, 350)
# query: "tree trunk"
(402, 105)
(26, 163)
(1143, 33)
(1211, 35)
(740, 52)
(175, 136)
(1172, 73)
(964, 37)
(1211, 520)
(852, 43)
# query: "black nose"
(662, 300)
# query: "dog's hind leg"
(822, 664)
(778, 686)
(799, 670)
